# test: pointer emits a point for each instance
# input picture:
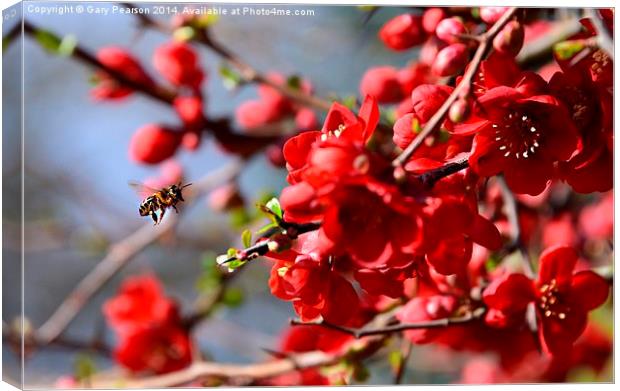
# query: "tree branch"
(364, 332)
(120, 254)
(247, 72)
(486, 40)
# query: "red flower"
(402, 32)
(140, 302)
(160, 348)
(153, 144)
(420, 309)
(189, 109)
(520, 135)
(382, 83)
(148, 326)
(563, 298)
(118, 60)
(178, 63)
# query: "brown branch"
(364, 332)
(485, 46)
(120, 254)
(431, 177)
(246, 71)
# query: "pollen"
(517, 135)
(550, 302)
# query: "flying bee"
(156, 201)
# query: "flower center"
(333, 133)
(550, 301)
(518, 135)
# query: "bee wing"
(141, 189)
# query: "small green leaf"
(233, 265)
(231, 78)
(360, 372)
(443, 136)
(48, 40)
(395, 359)
(475, 12)
(239, 217)
(246, 238)
(266, 228)
(83, 368)
(67, 45)
(567, 49)
(294, 82)
(184, 34)
(231, 252)
(350, 101)
(274, 206)
(233, 297)
(206, 20)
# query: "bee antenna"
(184, 186)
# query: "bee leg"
(175, 208)
(161, 216)
(154, 216)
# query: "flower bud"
(491, 15)
(431, 18)
(178, 63)
(255, 113)
(406, 129)
(382, 83)
(306, 119)
(191, 140)
(429, 50)
(275, 155)
(459, 111)
(450, 60)
(448, 29)
(152, 144)
(189, 109)
(123, 62)
(510, 39)
(402, 32)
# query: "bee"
(157, 201)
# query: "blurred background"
(77, 200)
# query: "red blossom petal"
(557, 263)
(510, 293)
(558, 335)
(485, 233)
(588, 290)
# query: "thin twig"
(431, 177)
(463, 87)
(364, 332)
(246, 71)
(539, 51)
(120, 254)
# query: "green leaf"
(48, 40)
(184, 34)
(230, 77)
(274, 206)
(83, 367)
(443, 136)
(395, 359)
(246, 238)
(233, 297)
(233, 265)
(294, 82)
(415, 126)
(360, 372)
(266, 228)
(67, 45)
(239, 217)
(567, 49)
(350, 102)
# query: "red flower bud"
(271, 97)
(306, 119)
(448, 29)
(191, 140)
(152, 144)
(491, 15)
(189, 109)
(431, 18)
(178, 63)
(382, 83)
(510, 39)
(402, 32)
(121, 61)
(459, 111)
(255, 113)
(450, 60)
(275, 155)
(429, 50)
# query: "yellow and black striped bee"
(156, 201)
